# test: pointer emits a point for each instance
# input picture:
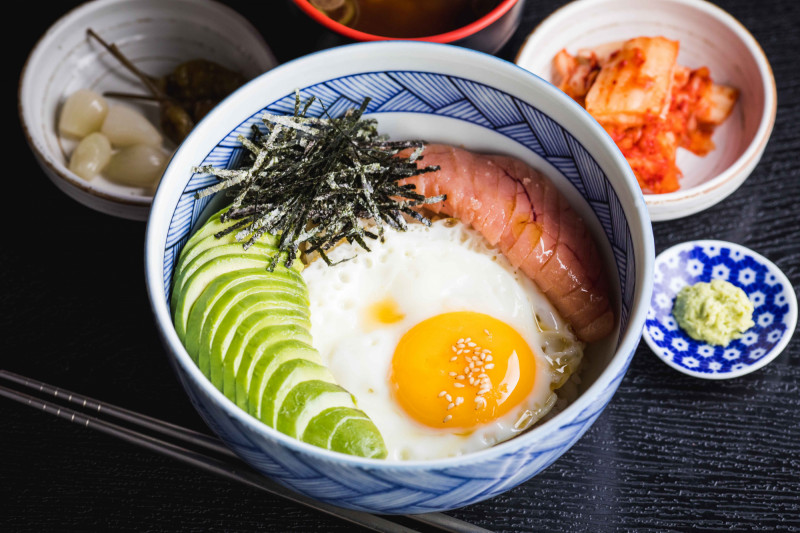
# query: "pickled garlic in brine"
(90, 156)
(83, 113)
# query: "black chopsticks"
(210, 454)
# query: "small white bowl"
(770, 291)
(156, 35)
(708, 37)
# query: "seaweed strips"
(316, 181)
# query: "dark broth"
(405, 18)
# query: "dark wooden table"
(670, 452)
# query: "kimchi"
(648, 104)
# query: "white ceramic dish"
(156, 35)
(442, 94)
(708, 37)
(770, 291)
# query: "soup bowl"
(439, 93)
(488, 33)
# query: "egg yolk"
(461, 370)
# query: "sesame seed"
(450, 405)
(482, 376)
(448, 397)
(453, 348)
(482, 392)
(471, 344)
(459, 400)
(454, 358)
(448, 418)
(460, 376)
(442, 393)
(459, 341)
(471, 380)
(451, 374)
(489, 366)
(467, 351)
(483, 357)
(458, 385)
(466, 370)
(459, 352)
(486, 331)
(461, 345)
(489, 358)
(468, 339)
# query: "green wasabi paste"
(716, 312)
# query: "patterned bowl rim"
(772, 268)
(446, 57)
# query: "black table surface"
(670, 452)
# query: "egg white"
(426, 272)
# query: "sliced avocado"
(358, 436)
(206, 256)
(225, 291)
(323, 428)
(283, 380)
(249, 331)
(210, 227)
(220, 286)
(252, 376)
(204, 275)
(305, 401)
(206, 238)
(256, 330)
(209, 242)
(216, 336)
(320, 429)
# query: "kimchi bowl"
(708, 37)
(443, 94)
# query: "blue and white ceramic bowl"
(445, 94)
(772, 295)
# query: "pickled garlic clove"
(139, 165)
(90, 156)
(83, 113)
(125, 127)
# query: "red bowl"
(487, 34)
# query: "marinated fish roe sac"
(522, 213)
(465, 382)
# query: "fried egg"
(443, 343)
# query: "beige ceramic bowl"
(708, 37)
(156, 35)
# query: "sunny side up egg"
(445, 346)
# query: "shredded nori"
(316, 181)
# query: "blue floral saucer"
(773, 297)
